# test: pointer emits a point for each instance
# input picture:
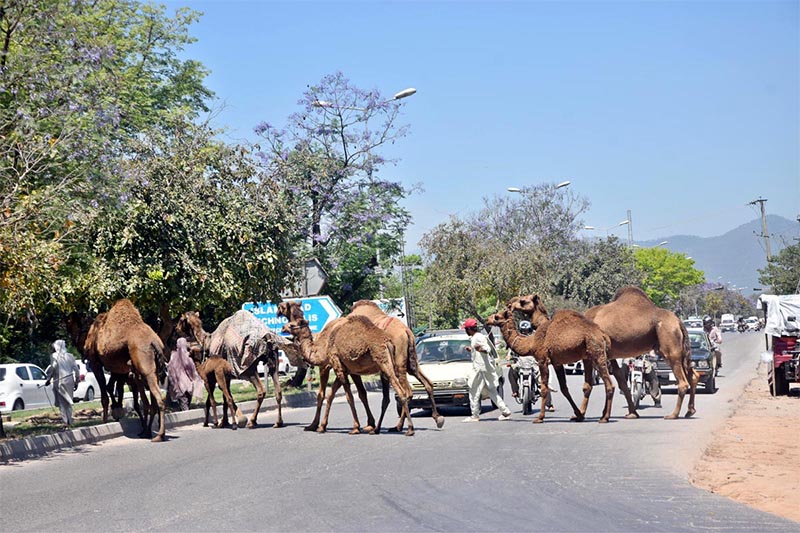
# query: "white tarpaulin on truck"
(782, 314)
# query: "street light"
(526, 189)
(405, 93)
(662, 243)
(609, 228)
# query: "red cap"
(470, 323)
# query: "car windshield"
(698, 342)
(441, 350)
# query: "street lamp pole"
(607, 229)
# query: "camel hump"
(363, 303)
(630, 291)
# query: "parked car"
(727, 322)
(284, 366)
(22, 387)
(703, 361)
(443, 358)
(88, 387)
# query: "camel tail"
(161, 363)
(413, 362)
(687, 351)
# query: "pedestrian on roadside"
(182, 374)
(715, 336)
(485, 373)
(64, 372)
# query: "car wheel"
(19, 405)
(89, 394)
(711, 384)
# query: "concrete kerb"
(32, 447)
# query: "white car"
(22, 387)
(752, 323)
(443, 358)
(88, 387)
(285, 367)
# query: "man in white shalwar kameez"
(64, 373)
(485, 373)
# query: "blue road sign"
(318, 310)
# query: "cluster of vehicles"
(22, 386)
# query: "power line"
(761, 202)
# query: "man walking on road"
(64, 371)
(483, 363)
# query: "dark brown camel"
(215, 371)
(122, 343)
(635, 326)
(355, 347)
(405, 351)
(244, 341)
(293, 312)
(566, 338)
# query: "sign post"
(318, 310)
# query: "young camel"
(635, 326)
(355, 347)
(566, 338)
(243, 341)
(215, 371)
(293, 312)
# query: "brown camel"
(566, 338)
(355, 347)
(122, 343)
(243, 340)
(635, 326)
(405, 351)
(292, 310)
(215, 371)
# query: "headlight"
(700, 364)
(460, 382)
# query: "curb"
(32, 447)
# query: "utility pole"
(630, 229)
(761, 202)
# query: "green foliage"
(665, 273)
(597, 271)
(782, 273)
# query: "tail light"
(83, 377)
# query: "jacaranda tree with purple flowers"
(328, 159)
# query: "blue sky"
(682, 112)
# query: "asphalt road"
(628, 475)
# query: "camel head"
(498, 319)
(78, 328)
(188, 323)
(527, 305)
(295, 326)
(292, 310)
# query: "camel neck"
(305, 341)
(519, 344)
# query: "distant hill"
(737, 255)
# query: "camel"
(122, 343)
(635, 326)
(566, 338)
(243, 340)
(215, 371)
(355, 347)
(405, 351)
(293, 312)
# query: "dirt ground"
(755, 458)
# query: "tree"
(509, 247)
(665, 273)
(597, 271)
(782, 273)
(327, 158)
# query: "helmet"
(525, 326)
(470, 323)
(707, 320)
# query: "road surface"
(627, 475)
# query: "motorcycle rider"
(649, 376)
(715, 336)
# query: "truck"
(782, 330)
(727, 322)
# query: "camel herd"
(365, 342)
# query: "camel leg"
(622, 383)
(683, 385)
(386, 364)
(362, 395)
(324, 373)
(278, 398)
(562, 382)
(324, 424)
(228, 403)
(155, 392)
(342, 376)
(101, 382)
(138, 389)
(422, 378)
(402, 378)
(134, 386)
(588, 382)
(602, 369)
(384, 402)
(544, 378)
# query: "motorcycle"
(527, 382)
(638, 386)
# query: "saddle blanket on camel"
(242, 339)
